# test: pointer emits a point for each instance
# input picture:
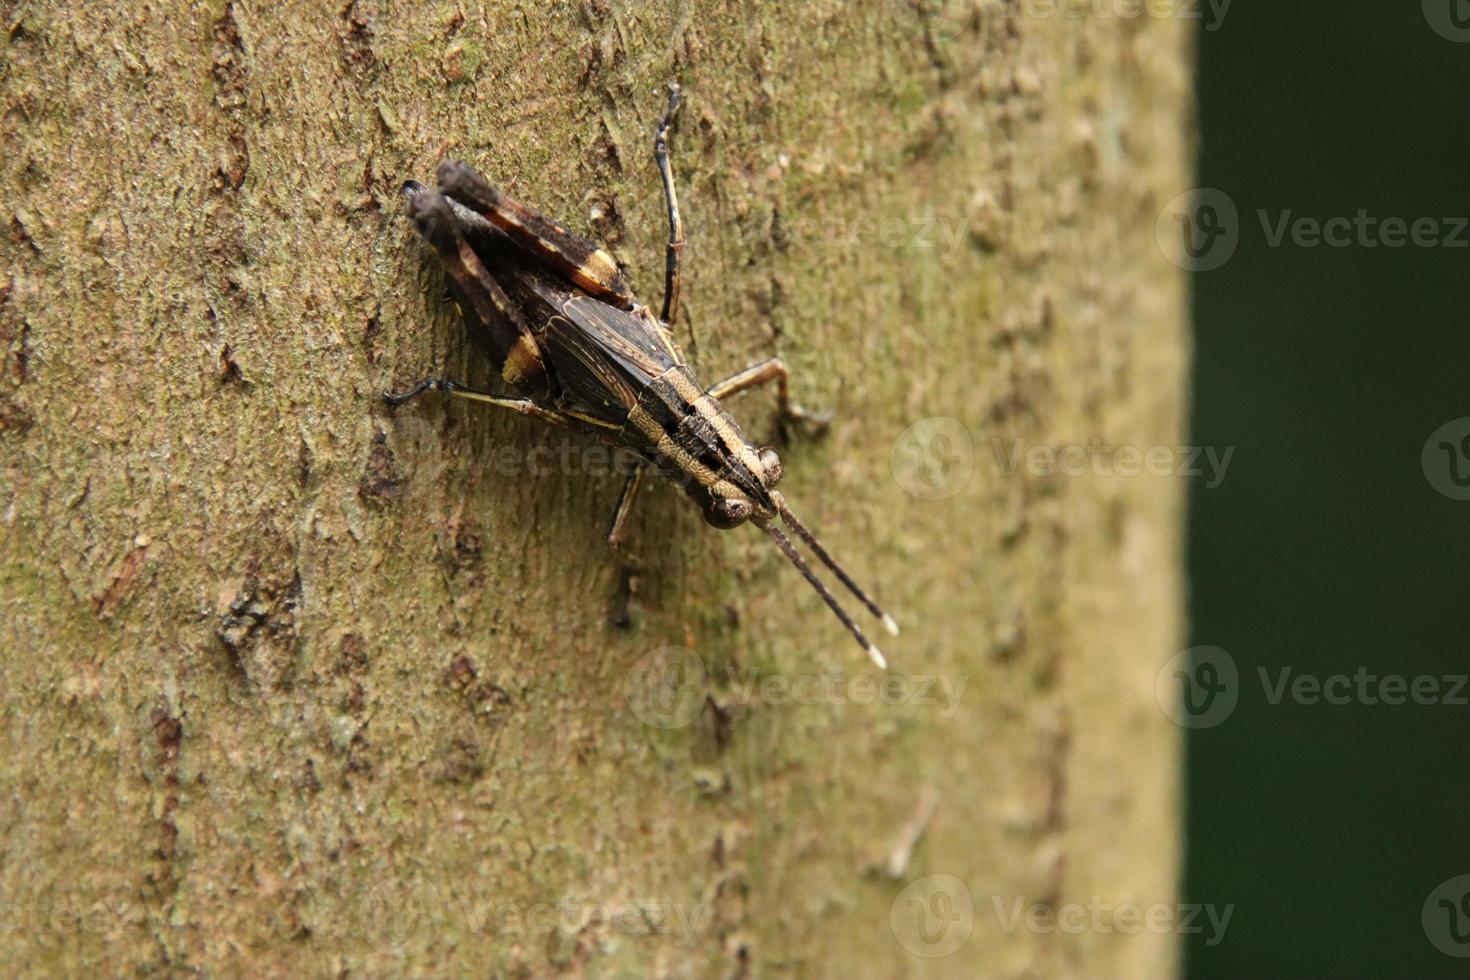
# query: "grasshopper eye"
(770, 466)
(728, 512)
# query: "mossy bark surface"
(291, 683)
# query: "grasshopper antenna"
(811, 541)
(789, 550)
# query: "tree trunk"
(293, 683)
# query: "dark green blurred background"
(1326, 548)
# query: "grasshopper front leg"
(773, 369)
(674, 254)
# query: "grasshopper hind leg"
(497, 324)
(580, 261)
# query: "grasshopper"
(556, 314)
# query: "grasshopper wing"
(605, 357)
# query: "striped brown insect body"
(556, 315)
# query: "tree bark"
(292, 683)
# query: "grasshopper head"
(735, 506)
